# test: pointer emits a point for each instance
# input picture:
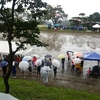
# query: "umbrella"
(4, 96)
(3, 63)
(61, 56)
(77, 60)
(47, 56)
(78, 54)
(26, 58)
(56, 63)
(45, 68)
(35, 55)
(38, 62)
(23, 65)
(70, 52)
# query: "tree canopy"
(19, 21)
(56, 14)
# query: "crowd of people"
(43, 65)
(42, 69)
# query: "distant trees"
(56, 14)
(86, 21)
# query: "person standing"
(14, 68)
(34, 61)
(45, 71)
(55, 70)
(68, 55)
(89, 72)
(63, 62)
(30, 66)
(73, 65)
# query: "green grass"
(31, 90)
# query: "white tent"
(4, 48)
(96, 26)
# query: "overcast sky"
(74, 7)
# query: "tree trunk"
(7, 87)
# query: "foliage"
(20, 22)
(87, 21)
(56, 14)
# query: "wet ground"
(66, 78)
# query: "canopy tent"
(96, 26)
(91, 56)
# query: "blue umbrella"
(3, 63)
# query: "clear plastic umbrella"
(56, 63)
(23, 65)
(77, 60)
(38, 62)
(26, 58)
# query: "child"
(89, 72)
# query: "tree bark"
(7, 87)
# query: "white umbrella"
(38, 62)
(35, 55)
(23, 65)
(56, 63)
(77, 60)
(26, 58)
(4, 96)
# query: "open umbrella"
(77, 60)
(38, 62)
(23, 65)
(48, 56)
(3, 63)
(61, 56)
(78, 54)
(70, 52)
(26, 58)
(4, 96)
(56, 63)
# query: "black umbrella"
(47, 56)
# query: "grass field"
(31, 90)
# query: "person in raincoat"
(45, 72)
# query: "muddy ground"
(70, 80)
(65, 78)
